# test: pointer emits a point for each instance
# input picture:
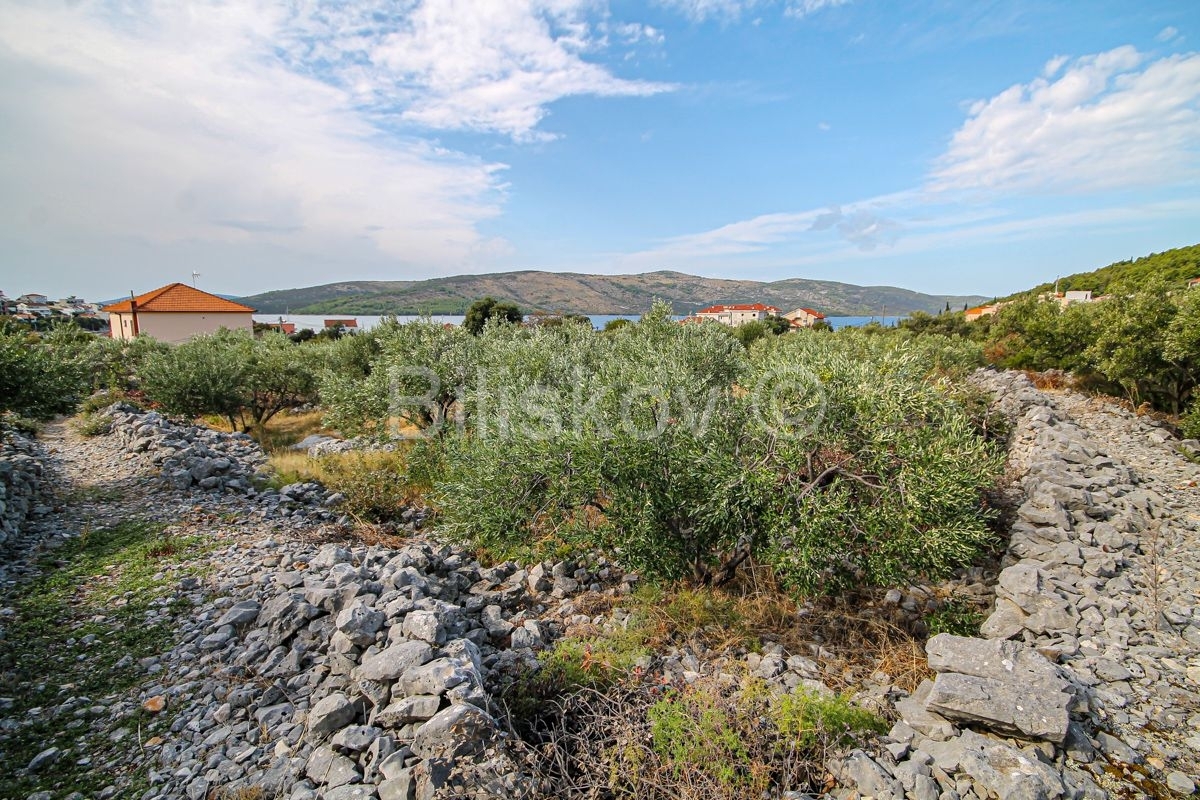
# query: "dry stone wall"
(20, 483)
(1085, 681)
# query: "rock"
(1007, 772)
(434, 678)
(355, 739)
(870, 778)
(240, 613)
(417, 708)
(461, 730)
(392, 662)
(425, 626)
(1179, 783)
(330, 714)
(44, 759)
(330, 769)
(1001, 684)
(360, 623)
(398, 788)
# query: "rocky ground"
(171, 631)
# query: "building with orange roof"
(737, 314)
(972, 314)
(175, 313)
(804, 317)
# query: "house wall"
(177, 326)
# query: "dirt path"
(92, 592)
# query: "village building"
(347, 324)
(975, 313)
(739, 314)
(176, 313)
(804, 317)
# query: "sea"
(365, 322)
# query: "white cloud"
(802, 8)
(730, 10)
(170, 125)
(1169, 34)
(461, 64)
(1111, 120)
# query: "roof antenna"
(194, 276)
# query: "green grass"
(102, 583)
(957, 617)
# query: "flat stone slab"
(1001, 685)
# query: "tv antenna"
(194, 276)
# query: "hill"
(1174, 267)
(568, 292)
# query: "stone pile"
(191, 456)
(328, 672)
(1085, 683)
(20, 483)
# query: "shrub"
(36, 379)
(233, 375)
(666, 445)
(488, 309)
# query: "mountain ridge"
(580, 293)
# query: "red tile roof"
(179, 297)
(812, 313)
(344, 323)
(739, 307)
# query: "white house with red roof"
(804, 317)
(738, 314)
(176, 313)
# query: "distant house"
(804, 317)
(176, 313)
(33, 310)
(34, 299)
(1193, 283)
(975, 313)
(734, 315)
(348, 324)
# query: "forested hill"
(1173, 267)
(595, 294)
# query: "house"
(348, 324)
(286, 328)
(1193, 283)
(34, 299)
(32, 310)
(734, 315)
(975, 313)
(175, 313)
(804, 317)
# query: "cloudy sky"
(973, 147)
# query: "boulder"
(462, 730)
(999, 684)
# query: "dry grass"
(280, 431)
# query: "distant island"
(573, 293)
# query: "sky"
(947, 147)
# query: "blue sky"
(945, 147)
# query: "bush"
(36, 379)
(233, 375)
(664, 444)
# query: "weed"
(957, 617)
(90, 424)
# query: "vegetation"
(244, 379)
(1173, 267)
(101, 585)
(38, 379)
(488, 309)
(686, 454)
